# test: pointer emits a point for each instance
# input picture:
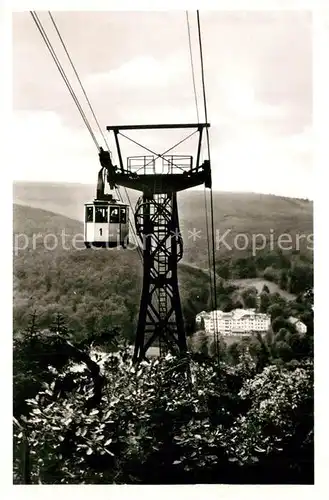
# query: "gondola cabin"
(106, 224)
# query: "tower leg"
(146, 229)
(160, 321)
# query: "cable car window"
(101, 214)
(114, 215)
(89, 214)
(123, 216)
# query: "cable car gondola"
(106, 223)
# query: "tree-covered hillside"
(99, 289)
(30, 221)
(94, 289)
(234, 213)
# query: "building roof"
(235, 314)
(202, 314)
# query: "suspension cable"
(131, 225)
(63, 74)
(211, 192)
(192, 66)
(79, 80)
(204, 188)
(208, 245)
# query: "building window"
(114, 215)
(100, 214)
(89, 215)
(123, 217)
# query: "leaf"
(109, 441)
(109, 452)
(107, 415)
(260, 450)
(89, 451)
(176, 462)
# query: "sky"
(135, 67)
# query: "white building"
(299, 325)
(238, 321)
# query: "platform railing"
(165, 165)
(141, 165)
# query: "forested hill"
(93, 289)
(97, 289)
(234, 213)
(32, 221)
(78, 281)
(68, 200)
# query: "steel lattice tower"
(156, 218)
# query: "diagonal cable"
(79, 80)
(192, 66)
(211, 192)
(63, 74)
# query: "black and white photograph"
(162, 247)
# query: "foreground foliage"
(154, 424)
